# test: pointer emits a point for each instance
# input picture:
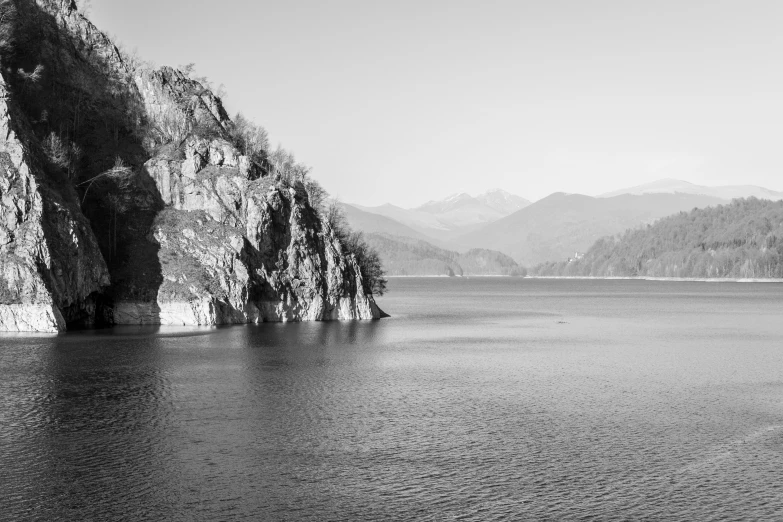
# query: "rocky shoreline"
(180, 226)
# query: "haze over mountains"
(403, 256)
(560, 225)
(551, 229)
(453, 215)
(372, 223)
(672, 186)
(492, 202)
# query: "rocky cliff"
(127, 200)
(50, 266)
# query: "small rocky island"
(130, 197)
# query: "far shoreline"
(453, 277)
(610, 278)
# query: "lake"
(479, 399)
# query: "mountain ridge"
(456, 214)
(543, 241)
(497, 199)
(557, 226)
(671, 186)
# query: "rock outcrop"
(183, 229)
(235, 247)
(51, 269)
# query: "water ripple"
(480, 400)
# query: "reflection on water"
(482, 399)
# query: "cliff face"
(179, 228)
(51, 269)
(268, 261)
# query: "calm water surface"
(480, 399)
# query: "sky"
(408, 101)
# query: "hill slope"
(743, 239)
(557, 226)
(405, 251)
(423, 222)
(405, 256)
(371, 223)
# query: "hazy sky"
(406, 101)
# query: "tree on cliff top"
(370, 266)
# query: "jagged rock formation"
(50, 266)
(183, 229)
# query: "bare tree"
(285, 166)
(117, 205)
(251, 139)
(120, 174)
(62, 155)
(172, 124)
(335, 217)
(317, 195)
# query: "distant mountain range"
(551, 229)
(559, 225)
(491, 203)
(675, 186)
(453, 215)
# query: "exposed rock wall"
(50, 264)
(235, 250)
(175, 104)
(204, 238)
(234, 247)
(88, 39)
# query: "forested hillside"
(743, 239)
(406, 256)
